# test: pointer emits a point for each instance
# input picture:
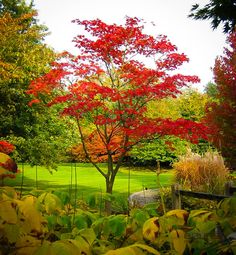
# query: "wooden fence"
(177, 192)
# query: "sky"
(194, 38)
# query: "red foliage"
(221, 115)
(6, 147)
(119, 70)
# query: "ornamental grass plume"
(206, 173)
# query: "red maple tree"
(118, 71)
(221, 116)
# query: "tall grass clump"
(206, 173)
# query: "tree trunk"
(109, 183)
(109, 189)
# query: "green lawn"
(89, 180)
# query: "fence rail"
(177, 192)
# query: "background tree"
(211, 90)
(111, 86)
(218, 11)
(188, 105)
(24, 57)
(222, 111)
(16, 8)
(191, 104)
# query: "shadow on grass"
(30, 185)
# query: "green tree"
(189, 105)
(211, 90)
(24, 57)
(164, 150)
(218, 11)
(15, 7)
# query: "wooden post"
(228, 185)
(176, 199)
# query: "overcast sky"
(194, 38)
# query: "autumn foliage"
(107, 86)
(221, 115)
(6, 147)
(8, 167)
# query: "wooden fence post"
(228, 185)
(176, 199)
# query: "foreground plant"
(118, 71)
(45, 225)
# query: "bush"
(202, 173)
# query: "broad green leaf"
(52, 221)
(206, 227)
(63, 196)
(64, 220)
(197, 245)
(51, 202)
(138, 217)
(151, 209)
(88, 234)
(228, 206)
(117, 225)
(200, 216)
(91, 200)
(62, 247)
(98, 226)
(80, 221)
(82, 245)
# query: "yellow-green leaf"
(146, 248)
(130, 250)
(31, 218)
(8, 212)
(12, 232)
(178, 239)
(151, 229)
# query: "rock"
(144, 197)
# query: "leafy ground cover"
(48, 224)
(88, 179)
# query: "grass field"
(89, 180)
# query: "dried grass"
(206, 173)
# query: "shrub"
(202, 173)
